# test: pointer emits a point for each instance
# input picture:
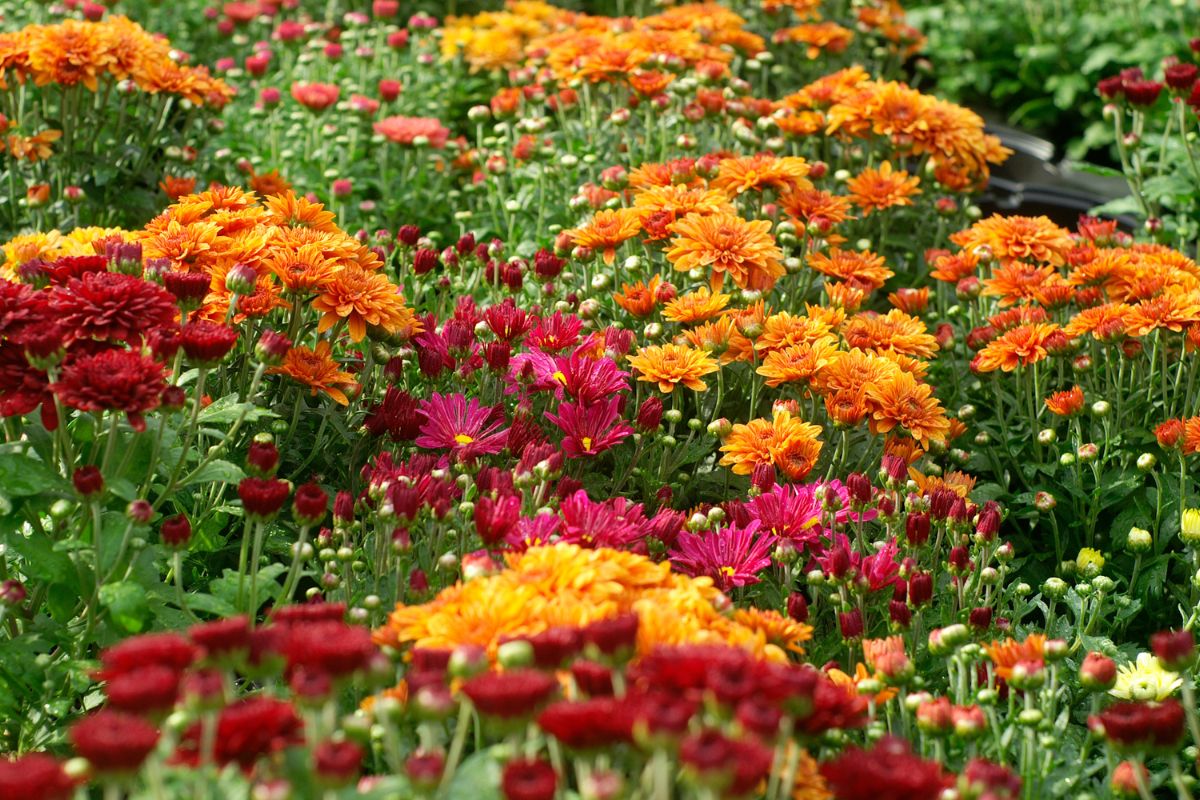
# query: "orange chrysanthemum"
(607, 230)
(1067, 403)
(316, 369)
(1104, 322)
(721, 338)
(786, 442)
(1020, 347)
(671, 365)
(798, 363)
(954, 267)
(696, 306)
(1007, 654)
(877, 189)
(894, 331)
(726, 244)
(757, 172)
(902, 402)
(363, 298)
(1030, 239)
(291, 210)
(784, 329)
(816, 206)
(861, 269)
(302, 270)
(1016, 282)
(638, 299)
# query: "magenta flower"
(614, 523)
(533, 531)
(589, 380)
(589, 430)
(881, 569)
(730, 556)
(789, 512)
(533, 371)
(467, 428)
(555, 333)
(839, 560)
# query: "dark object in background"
(1030, 183)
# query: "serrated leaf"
(126, 604)
(217, 471)
(227, 410)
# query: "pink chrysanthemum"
(730, 556)
(614, 523)
(467, 428)
(590, 430)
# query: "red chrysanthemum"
(888, 771)
(111, 306)
(113, 380)
(262, 497)
(156, 649)
(206, 343)
(114, 742)
(247, 731)
(509, 694)
(23, 388)
(147, 690)
(330, 647)
(36, 776)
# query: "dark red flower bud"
(1142, 93)
(850, 623)
(262, 458)
(189, 288)
(980, 618)
(1176, 650)
(900, 613)
(262, 498)
(916, 528)
(176, 531)
(528, 779)
(859, 488)
(310, 504)
(343, 508)
(173, 398)
(763, 477)
(959, 559)
(409, 235)
(114, 742)
(1098, 672)
(797, 606)
(649, 415)
(337, 764)
(272, 348)
(88, 481)
(1180, 77)
(920, 588)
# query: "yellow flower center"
(558, 376)
(727, 572)
(587, 442)
(462, 438)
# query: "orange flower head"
(845, 297)
(815, 206)
(302, 270)
(745, 173)
(784, 329)
(1031, 239)
(786, 442)
(726, 244)
(696, 306)
(1019, 347)
(1067, 403)
(363, 298)
(607, 231)
(671, 365)
(638, 299)
(954, 267)
(861, 269)
(316, 369)
(902, 402)
(877, 189)
(896, 331)
(290, 210)
(1107, 322)
(798, 363)
(1007, 654)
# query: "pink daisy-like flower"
(555, 333)
(467, 428)
(590, 430)
(533, 531)
(789, 512)
(614, 523)
(881, 569)
(407, 130)
(589, 380)
(730, 556)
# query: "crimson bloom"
(246, 731)
(36, 776)
(510, 695)
(888, 771)
(730, 556)
(206, 343)
(412, 131)
(110, 306)
(113, 380)
(467, 428)
(528, 780)
(113, 741)
(590, 429)
(262, 497)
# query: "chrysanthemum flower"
(316, 369)
(315, 96)
(1031, 239)
(798, 363)
(1007, 654)
(607, 231)
(410, 131)
(671, 365)
(113, 380)
(731, 556)
(110, 306)
(1145, 679)
(860, 268)
(905, 403)
(895, 331)
(785, 442)
(364, 298)
(466, 428)
(1020, 347)
(590, 429)
(726, 244)
(302, 270)
(697, 306)
(1067, 403)
(744, 173)
(877, 189)
(638, 299)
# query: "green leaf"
(228, 409)
(126, 604)
(217, 471)
(210, 605)
(477, 777)
(42, 561)
(22, 476)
